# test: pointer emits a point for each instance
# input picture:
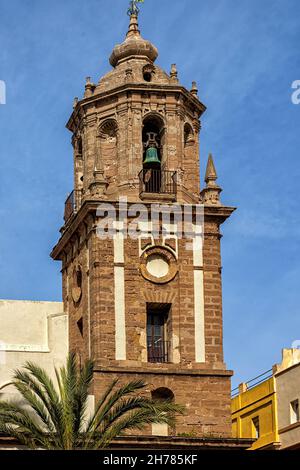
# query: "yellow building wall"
(258, 402)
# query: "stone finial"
(75, 102)
(211, 193)
(211, 173)
(133, 29)
(194, 89)
(89, 87)
(128, 75)
(174, 73)
(99, 184)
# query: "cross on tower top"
(133, 7)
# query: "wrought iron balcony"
(158, 351)
(72, 204)
(158, 182)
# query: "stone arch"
(107, 154)
(108, 129)
(158, 296)
(148, 72)
(189, 135)
(162, 394)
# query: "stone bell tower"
(147, 306)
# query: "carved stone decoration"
(77, 285)
(107, 153)
(158, 265)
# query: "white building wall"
(31, 331)
(287, 376)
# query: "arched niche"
(190, 158)
(148, 72)
(162, 394)
(154, 131)
(189, 136)
(78, 154)
(107, 148)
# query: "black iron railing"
(72, 204)
(158, 351)
(158, 181)
(254, 382)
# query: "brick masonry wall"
(207, 397)
(207, 400)
(109, 123)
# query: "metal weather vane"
(133, 7)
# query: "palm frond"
(21, 437)
(57, 419)
(36, 383)
(22, 421)
(35, 403)
(134, 420)
(84, 380)
(100, 403)
(68, 377)
(113, 399)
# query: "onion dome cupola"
(134, 46)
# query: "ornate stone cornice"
(190, 100)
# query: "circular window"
(158, 265)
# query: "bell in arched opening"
(151, 158)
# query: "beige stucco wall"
(31, 331)
(288, 390)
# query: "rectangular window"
(157, 332)
(256, 427)
(294, 409)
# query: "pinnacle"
(133, 30)
(211, 173)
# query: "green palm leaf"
(55, 414)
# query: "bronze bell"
(151, 157)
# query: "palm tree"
(55, 418)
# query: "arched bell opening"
(153, 132)
(153, 137)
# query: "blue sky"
(244, 55)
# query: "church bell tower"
(146, 306)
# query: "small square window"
(256, 427)
(294, 408)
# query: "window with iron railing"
(158, 346)
(72, 204)
(158, 181)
